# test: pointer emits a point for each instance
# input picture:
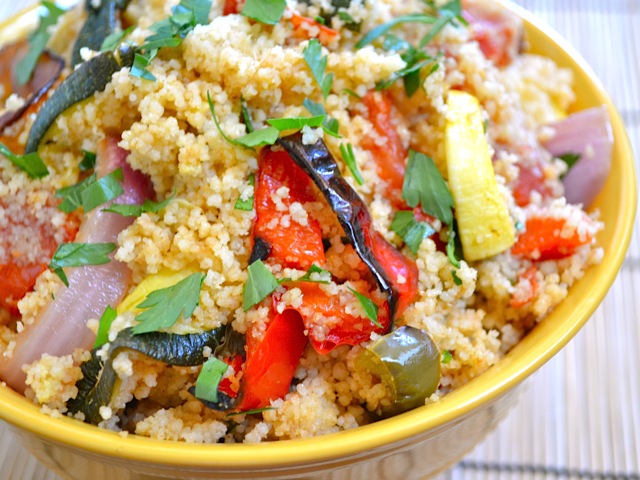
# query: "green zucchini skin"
(89, 78)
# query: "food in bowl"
(245, 223)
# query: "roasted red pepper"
(307, 28)
(545, 238)
(289, 242)
(272, 361)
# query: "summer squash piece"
(587, 133)
(96, 387)
(407, 362)
(354, 217)
(45, 74)
(89, 78)
(60, 327)
(102, 20)
(484, 223)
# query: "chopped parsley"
(447, 14)
(315, 274)
(370, 308)
(424, 185)
(209, 379)
(258, 138)
(380, 30)
(331, 126)
(91, 192)
(106, 320)
(570, 158)
(452, 248)
(446, 357)
(264, 11)
(350, 161)
(163, 307)
(260, 284)
(31, 164)
(317, 63)
(456, 278)
(79, 255)
(114, 40)
(169, 33)
(246, 204)
(37, 41)
(88, 162)
(246, 117)
(410, 230)
(296, 123)
(148, 206)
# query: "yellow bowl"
(416, 444)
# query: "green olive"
(407, 362)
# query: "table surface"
(579, 416)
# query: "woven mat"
(579, 417)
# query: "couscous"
(246, 221)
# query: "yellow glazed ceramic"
(416, 444)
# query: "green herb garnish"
(317, 270)
(37, 41)
(424, 185)
(448, 12)
(79, 255)
(370, 308)
(245, 115)
(260, 284)
(410, 230)
(570, 158)
(295, 123)
(102, 190)
(114, 40)
(88, 162)
(106, 320)
(317, 63)
(264, 11)
(446, 357)
(456, 279)
(163, 307)
(350, 161)
(209, 379)
(258, 138)
(329, 125)
(31, 164)
(246, 205)
(380, 30)
(452, 248)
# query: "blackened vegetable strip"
(100, 23)
(96, 386)
(89, 78)
(352, 213)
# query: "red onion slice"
(60, 327)
(589, 134)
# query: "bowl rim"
(384, 434)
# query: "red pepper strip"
(354, 217)
(307, 28)
(348, 330)
(18, 273)
(231, 7)
(226, 385)
(47, 71)
(391, 156)
(544, 239)
(272, 363)
(291, 244)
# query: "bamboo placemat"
(579, 417)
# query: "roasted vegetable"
(352, 213)
(102, 20)
(407, 362)
(484, 224)
(549, 238)
(91, 77)
(96, 387)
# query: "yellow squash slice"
(484, 224)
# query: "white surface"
(580, 416)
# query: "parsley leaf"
(72, 195)
(245, 115)
(295, 123)
(448, 12)
(163, 307)
(140, 64)
(321, 275)
(456, 278)
(258, 138)
(570, 158)
(264, 11)
(410, 230)
(31, 163)
(423, 184)
(79, 255)
(102, 190)
(350, 161)
(370, 308)
(114, 40)
(209, 379)
(136, 210)
(380, 30)
(260, 284)
(446, 357)
(88, 162)
(37, 41)
(246, 205)
(106, 320)
(452, 249)
(317, 63)
(329, 125)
